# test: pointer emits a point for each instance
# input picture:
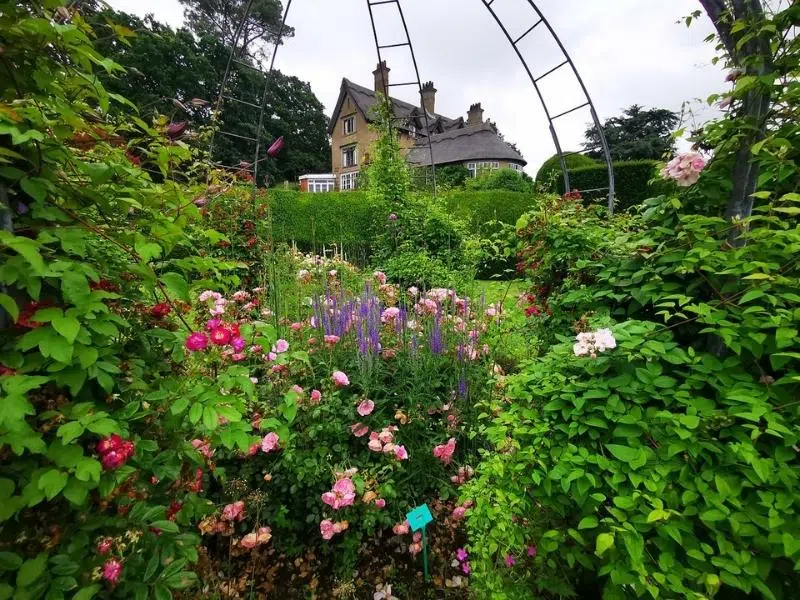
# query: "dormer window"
(349, 124)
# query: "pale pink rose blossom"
(401, 528)
(280, 346)
(342, 494)
(401, 453)
(380, 503)
(340, 379)
(365, 407)
(270, 442)
(359, 430)
(316, 396)
(234, 511)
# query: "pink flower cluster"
(444, 452)
(460, 511)
(685, 168)
(203, 447)
(342, 494)
(257, 538)
(114, 451)
(464, 475)
(234, 511)
(328, 528)
(462, 556)
(382, 441)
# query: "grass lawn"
(499, 291)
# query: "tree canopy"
(166, 65)
(222, 18)
(638, 133)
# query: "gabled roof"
(365, 99)
(476, 142)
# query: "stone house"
(473, 142)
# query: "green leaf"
(604, 542)
(152, 565)
(210, 417)
(166, 526)
(88, 593)
(26, 247)
(67, 326)
(7, 302)
(177, 284)
(712, 515)
(35, 188)
(31, 570)
(145, 249)
(76, 492)
(589, 522)
(162, 592)
(623, 453)
(70, 431)
(196, 412)
(88, 469)
(10, 561)
(75, 288)
(103, 427)
(52, 482)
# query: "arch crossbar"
(371, 4)
(538, 21)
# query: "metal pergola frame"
(539, 20)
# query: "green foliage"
(93, 243)
(388, 178)
(631, 181)
(550, 171)
(665, 466)
(452, 176)
(501, 179)
(636, 135)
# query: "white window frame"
(348, 181)
(515, 166)
(351, 120)
(345, 150)
(476, 167)
(317, 186)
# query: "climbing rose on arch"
(685, 168)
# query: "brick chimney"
(429, 97)
(381, 77)
(475, 115)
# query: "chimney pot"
(429, 97)
(475, 114)
(381, 74)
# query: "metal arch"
(386, 86)
(261, 106)
(550, 118)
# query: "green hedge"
(479, 207)
(351, 220)
(630, 178)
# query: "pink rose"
(359, 429)
(316, 396)
(444, 452)
(342, 494)
(234, 511)
(340, 379)
(250, 540)
(365, 407)
(270, 442)
(400, 528)
(380, 503)
(401, 453)
(280, 346)
(298, 390)
(326, 529)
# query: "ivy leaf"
(52, 482)
(7, 302)
(31, 570)
(66, 326)
(604, 542)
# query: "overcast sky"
(627, 51)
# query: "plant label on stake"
(419, 518)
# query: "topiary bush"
(550, 171)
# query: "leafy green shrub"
(550, 171)
(410, 267)
(631, 182)
(501, 179)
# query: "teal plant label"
(419, 517)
